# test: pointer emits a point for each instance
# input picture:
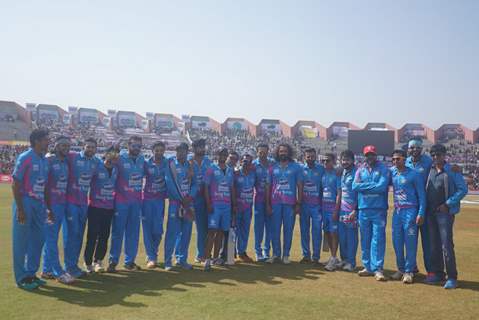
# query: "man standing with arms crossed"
(371, 183)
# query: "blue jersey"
(372, 186)
(244, 184)
(31, 173)
(313, 184)
(183, 180)
(349, 197)
(331, 188)
(262, 172)
(102, 192)
(284, 182)
(80, 174)
(423, 166)
(57, 180)
(219, 183)
(130, 178)
(155, 186)
(200, 171)
(409, 190)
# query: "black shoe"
(305, 260)
(132, 267)
(111, 268)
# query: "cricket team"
(337, 208)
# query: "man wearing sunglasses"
(409, 211)
(371, 182)
(422, 164)
(126, 221)
(445, 188)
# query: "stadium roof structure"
(411, 130)
(240, 122)
(453, 131)
(211, 123)
(50, 107)
(90, 110)
(321, 130)
(284, 129)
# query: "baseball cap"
(369, 149)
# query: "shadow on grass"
(112, 289)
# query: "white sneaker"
(379, 276)
(398, 275)
(66, 278)
(272, 260)
(340, 264)
(98, 267)
(286, 260)
(365, 273)
(408, 278)
(89, 268)
(331, 265)
(348, 267)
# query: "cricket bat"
(230, 254)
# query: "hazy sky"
(359, 61)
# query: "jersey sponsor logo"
(80, 163)
(84, 180)
(135, 179)
(126, 165)
(56, 166)
(39, 186)
(62, 182)
(35, 167)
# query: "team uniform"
(244, 191)
(201, 214)
(178, 230)
(153, 212)
(100, 213)
(409, 202)
(262, 221)
(82, 169)
(423, 167)
(331, 188)
(311, 211)
(372, 187)
(219, 182)
(31, 173)
(348, 228)
(126, 220)
(284, 181)
(57, 190)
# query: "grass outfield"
(250, 291)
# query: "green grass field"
(250, 291)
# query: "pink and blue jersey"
(409, 190)
(180, 183)
(57, 180)
(349, 197)
(284, 182)
(244, 184)
(262, 173)
(102, 192)
(331, 187)
(312, 184)
(129, 183)
(219, 183)
(31, 172)
(200, 171)
(155, 185)
(81, 171)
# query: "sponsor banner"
(6, 178)
(14, 143)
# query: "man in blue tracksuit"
(262, 220)
(422, 164)
(154, 195)
(445, 188)
(311, 217)
(200, 164)
(348, 219)
(56, 202)
(409, 211)
(29, 212)
(126, 221)
(182, 189)
(372, 182)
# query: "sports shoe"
(28, 284)
(433, 279)
(47, 275)
(408, 278)
(185, 266)
(331, 265)
(98, 267)
(348, 267)
(339, 264)
(365, 273)
(66, 278)
(398, 275)
(379, 276)
(207, 266)
(132, 267)
(305, 260)
(151, 265)
(168, 267)
(111, 268)
(286, 260)
(450, 284)
(260, 259)
(89, 268)
(199, 260)
(245, 258)
(316, 262)
(218, 262)
(39, 281)
(273, 259)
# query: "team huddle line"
(115, 194)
